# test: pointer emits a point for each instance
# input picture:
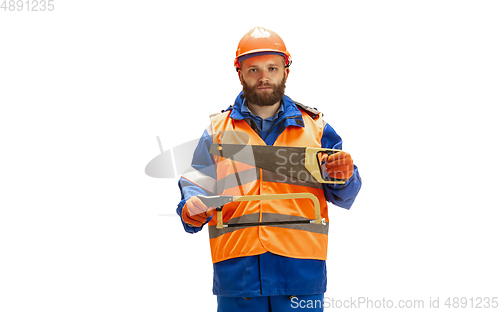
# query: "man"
(265, 268)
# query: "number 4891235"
(27, 5)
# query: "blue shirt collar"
(288, 108)
(245, 110)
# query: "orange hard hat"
(260, 41)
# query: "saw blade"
(283, 160)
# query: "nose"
(264, 76)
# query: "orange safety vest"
(303, 241)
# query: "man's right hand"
(195, 213)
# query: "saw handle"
(328, 152)
(313, 164)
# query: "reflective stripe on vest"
(304, 241)
(199, 178)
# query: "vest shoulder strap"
(222, 111)
(314, 113)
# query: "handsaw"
(302, 163)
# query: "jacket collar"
(291, 114)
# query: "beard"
(264, 98)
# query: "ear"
(287, 71)
(239, 76)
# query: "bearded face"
(267, 97)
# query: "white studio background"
(85, 89)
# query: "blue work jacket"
(268, 274)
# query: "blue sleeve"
(342, 195)
(204, 163)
